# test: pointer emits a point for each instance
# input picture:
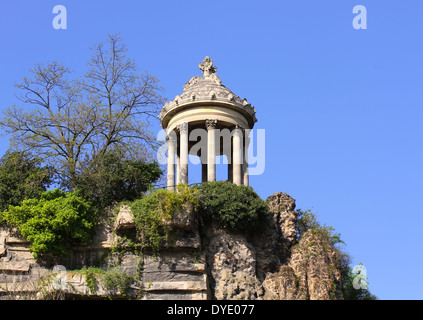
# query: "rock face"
(311, 273)
(200, 262)
(124, 221)
(282, 206)
(271, 264)
(314, 262)
(231, 265)
(273, 243)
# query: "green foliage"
(350, 293)
(91, 277)
(21, 177)
(237, 208)
(52, 223)
(153, 212)
(116, 280)
(115, 179)
(307, 220)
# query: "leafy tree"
(21, 177)
(237, 208)
(114, 179)
(52, 223)
(66, 121)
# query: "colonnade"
(177, 171)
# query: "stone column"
(211, 150)
(237, 156)
(183, 152)
(230, 163)
(203, 159)
(246, 178)
(171, 147)
(178, 168)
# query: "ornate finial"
(207, 67)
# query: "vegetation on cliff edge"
(308, 221)
(232, 207)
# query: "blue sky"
(342, 108)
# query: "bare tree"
(72, 122)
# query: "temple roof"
(206, 90)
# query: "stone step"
(18, 287)
(175, 285)
(15, 266)
(169, 276)
(175, 295)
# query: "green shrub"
(91, 277)
(116, 280)
(153, 213)
(52, 223)
(307, 220)
(237, 208)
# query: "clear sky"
(342, 108)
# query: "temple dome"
(207, 90)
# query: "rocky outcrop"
(124, 222)
(273, 243)
(231, 267)
(282, 207)
(198, 262)
(316, 265)
(311, 273)
(270, 264)
(283, 285)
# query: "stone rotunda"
(206, 105)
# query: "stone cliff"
(201, 262)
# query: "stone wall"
(178, 272)
(201, 262)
